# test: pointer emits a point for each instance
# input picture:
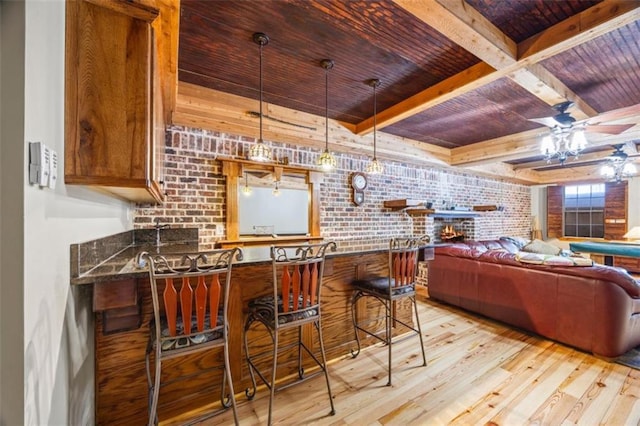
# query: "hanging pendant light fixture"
(246, 190)
(259, 151)
(326, 161)
(374, 167)
(276, 190)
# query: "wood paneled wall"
(555, 197)
(615, 210)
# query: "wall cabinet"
(114, 112)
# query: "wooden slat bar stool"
(399, 284)
(190, 295)
(295, 302)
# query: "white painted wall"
(57, 320)
(633, 214)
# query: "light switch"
(41, 165)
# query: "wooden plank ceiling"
(463, 76)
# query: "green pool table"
(623, 255)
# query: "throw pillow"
(539, 246)
(551, 260)
(517, 241)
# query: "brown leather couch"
(595, 308)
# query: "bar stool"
(297, 283)
(190, 295)
(397, 285)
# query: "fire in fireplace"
(449, 233)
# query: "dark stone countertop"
(114, 257)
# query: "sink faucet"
(158, 227)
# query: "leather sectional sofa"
(594, 308)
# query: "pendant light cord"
(375, 103)
(261, 46)
(326, 107)
(374, 83)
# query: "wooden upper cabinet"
(115, 94)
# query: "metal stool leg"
(354, 301)
(273, 375)
(389, 321)
(415, 308)
(324, 366)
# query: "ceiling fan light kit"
(566, 136)
(618, 167)
(563, 143)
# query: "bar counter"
(123, 309)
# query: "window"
(584, 211)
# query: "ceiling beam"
(594, 22)
(462, 24)
(472, 78)
(205, 108)
(526, 144)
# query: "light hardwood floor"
(479, 372)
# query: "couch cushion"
(551, 260)
(539, 246)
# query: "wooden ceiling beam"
(594, 22)
(205, 108)
(462, 24)
(527, 144)
(472, 78)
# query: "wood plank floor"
(479, 372)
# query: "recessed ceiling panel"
(604, 72)
(522, 19)
(366, 39)
(498, 109)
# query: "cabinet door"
(109, 108)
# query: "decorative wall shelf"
(488, 208)
(403, 204)
(417, 208)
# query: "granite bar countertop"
(114, 257)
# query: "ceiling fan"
(622, 152)
(616, 166)
(564, 120)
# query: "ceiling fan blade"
(609, 129)
(617, 114)
(547, 121)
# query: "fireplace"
(454, 229)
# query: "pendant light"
(326, 161)
(259, 151)
(374, 167)
(246, 190)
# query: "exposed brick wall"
(195, 191)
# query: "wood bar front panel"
(121, 388)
